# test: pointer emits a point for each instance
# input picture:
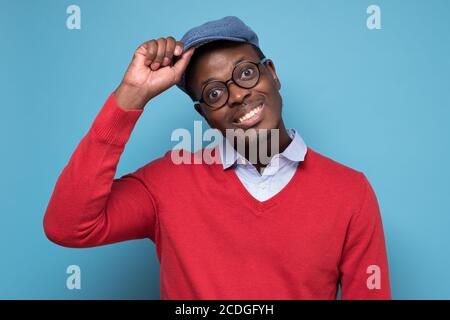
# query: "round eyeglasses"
(245, 74)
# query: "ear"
(199, 109)
(201, 112)
(271, 68)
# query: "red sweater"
(213, 239)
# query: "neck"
(283, 141)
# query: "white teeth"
(250, 114)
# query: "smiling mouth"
(251, 117)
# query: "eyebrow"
(212, 78)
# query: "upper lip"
(244, 110)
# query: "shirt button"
(262, 185)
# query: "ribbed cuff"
(114, 125)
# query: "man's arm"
(364, 270)
(88, 206)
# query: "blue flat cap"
(228, 28)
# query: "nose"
(236, 94)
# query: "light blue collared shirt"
(277, 173)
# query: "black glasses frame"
(226, 84)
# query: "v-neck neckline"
(261, 206)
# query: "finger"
(178, 48)
(160, 54)
(152, 49)
(145, 53)
(182, 63)
(170, 47)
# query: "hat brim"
(205, 40)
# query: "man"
(297, 226)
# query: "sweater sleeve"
(88, 206)
(364, 267)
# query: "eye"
(247, 73)
(215, 93)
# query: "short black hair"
(212, 46)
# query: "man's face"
(218, 64)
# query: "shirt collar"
(295, 151)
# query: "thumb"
(182, 63)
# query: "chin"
(268, 124)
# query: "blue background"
(375, 100)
